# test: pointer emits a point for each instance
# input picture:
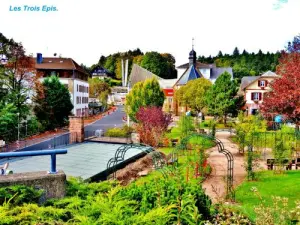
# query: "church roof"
(190, 74)
(198, 65)
(138, 74)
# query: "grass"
(268, 184)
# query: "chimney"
(39, 58)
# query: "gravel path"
(215, 185)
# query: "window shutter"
(259, 96)
(266, 83)
(252, 96)
(258, 83)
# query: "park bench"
(271, 163)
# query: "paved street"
(112, 120)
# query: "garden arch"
(119, 156)
(183, 145)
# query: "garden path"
(215, 185)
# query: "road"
(112, 120)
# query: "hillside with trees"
(161, 64)
(244, 63)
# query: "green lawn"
(268, 184)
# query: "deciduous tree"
(193, 94)
(284, 98)
(143, 94)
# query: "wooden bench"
(286, 162)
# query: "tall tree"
(16, 75)
(284, 98)
(143, 94)
(236, 52)
(220, 98)
(193, 94)
(52, 103)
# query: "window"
(256, 96)
(262, 83)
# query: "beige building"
(253, 89)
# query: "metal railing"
(52, 153)
(41, 143)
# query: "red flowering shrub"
(152, 123)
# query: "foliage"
(16, 84)
(53, 103)
(143, 94)
(227, 216)
(162, 65)
(269, 184)
(193, 94)
(245, 130)
(245, 64)
(18, 195)
(185, 125)
(163, 201)
(212, 127)
(99, 89)
(188, 197)
(221, 97)
(8, 120)
(284, 97)
(278, 213)
(152, 123)
(119, 132)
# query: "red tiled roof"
(49, 63)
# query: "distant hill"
(244, 64)
(161, 64)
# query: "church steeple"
(193, 55)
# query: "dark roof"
(216, 72)
(190, 74)
(140, 74)
(198, 65)
(50, 63)
(99, 70)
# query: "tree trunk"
(225, 119)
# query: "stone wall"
(54, 185)
(76, 128)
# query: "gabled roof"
(140, 74)
(53, 63)
(246, 81)
(269, 74)
(198, 65)
(190, 74)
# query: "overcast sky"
(86, 29)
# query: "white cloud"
(86, 29)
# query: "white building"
(253, 89)
(71, 75)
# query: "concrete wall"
(54, 185)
